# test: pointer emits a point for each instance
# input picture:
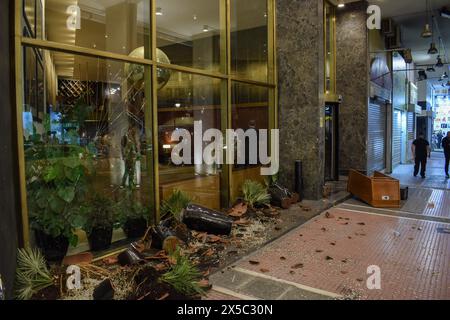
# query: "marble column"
(300, 36)
(352, 82)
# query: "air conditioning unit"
(395, 42)
(388, 27)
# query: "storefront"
(101, 88)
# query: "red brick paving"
(214, 295)
(414, 258)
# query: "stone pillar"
(9, 194)
(352, 82)
(300, 37)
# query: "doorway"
(331, 142)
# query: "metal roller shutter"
(396, 138)
(411, 129)
(376, 147)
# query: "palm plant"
(255, 194)
(32, 274)
(175, 204)
(184, 276)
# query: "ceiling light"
(159, 11)
(433, 49)
(422, 75)
(439, 63)
(341, 4)
(426, 33)
(194, 17)
(205, 28)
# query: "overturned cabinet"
(379, 191)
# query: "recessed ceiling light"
(205, 28)
(341, 4)
(194, 17)
(159, 11)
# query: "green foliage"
(101, 212)
(184, 276)
(57, 186)
(131, 208)
(175, 204)
(255, 194)
(271, 180)
(32, 274)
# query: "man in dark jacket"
(446, 147)
(420, 149)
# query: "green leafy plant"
(57, 185)
(271, 180)
(175, 204)
(32, 274)
(101, 212)
(130, 209)
(255, 194)
(183, 276)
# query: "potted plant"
(133, 216)
(99, 222)
(56, 185)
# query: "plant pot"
(54, 249)
(100, 238)
(135, 228)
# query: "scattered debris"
(328, 215)
(264, 270)
(253, 262)
(81, 258)
(104, 291)
(361, 223)
(328, 258)
(238, 210)
(297, 266)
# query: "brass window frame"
(330, 95)
(224, 74)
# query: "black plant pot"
(135, 228)
(54, 249)
(100, 238)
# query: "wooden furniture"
(379, 191)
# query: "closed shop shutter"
(411, 128)
(396, 138)
(376, 148)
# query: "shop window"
(250, 110)
(249, 39)
(187, 102)
(87, 149)
(188, 32)
(113, 26)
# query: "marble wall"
(352, 68)
(300, 101)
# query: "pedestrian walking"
(446, 147)
(420, 149)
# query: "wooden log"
(206, 220)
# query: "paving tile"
(335, 253)
(264, 289)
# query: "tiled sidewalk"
(329, 257)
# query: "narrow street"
(328, 256)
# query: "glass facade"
(107, 85)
